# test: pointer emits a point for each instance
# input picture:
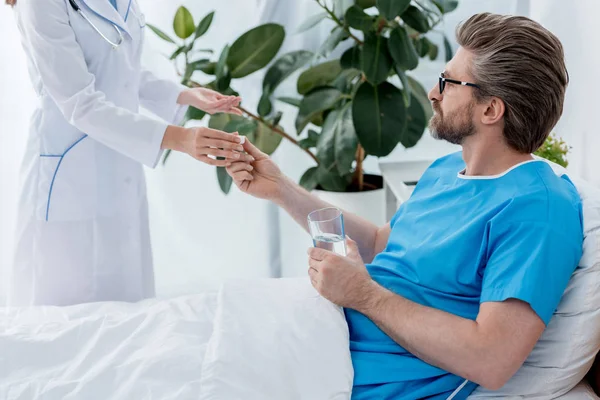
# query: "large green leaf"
(177, 52)
(406, 89)
(416, 124)
(245, 127)
(311, 21)
(379, 117)
(291, 101)
(345, 81)
(264, 105)
(364, 4)
(309, 179)
(448, 49)
(375, 59)
(319, 75)
(221, 69)
(255, 49)
(224, 179)
(433, 51)
(220, 120)
(283, 68)
(415, 19)
(337, 143)
(329, 179)
(341, 6)
(310, 141)
(193, 113)
(337, 35)
(421, 46)
(204, 25)
(351, 58)
(402, 50)
(209, 69)
(358, 19)
(160, 33)
(421, 95)
(390, 9)
(266, 139)
(314, 103)
(183, 23)
(446, 6)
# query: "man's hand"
(260, 178)
(210, 101)
(344, 281)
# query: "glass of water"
(326, 226)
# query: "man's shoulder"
(550, 198)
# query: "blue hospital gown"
(460, 241)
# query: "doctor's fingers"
(231, 155)
(220, 144)
(211, 161)
(216, 134)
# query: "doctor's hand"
(203, 143)
(344, 281)
(261, 178)
(210, 101)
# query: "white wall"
(16, 104)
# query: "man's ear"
(494, 111)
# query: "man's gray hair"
(519, 61)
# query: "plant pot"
(368, 204)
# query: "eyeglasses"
(443, 80)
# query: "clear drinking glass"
(326, 226)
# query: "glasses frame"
(442, 83)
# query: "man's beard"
(453, 128)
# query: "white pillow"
(566, 350)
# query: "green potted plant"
(554, 149)
(349, 108)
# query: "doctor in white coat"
(82, 231)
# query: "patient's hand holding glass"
(326, 226)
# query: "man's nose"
(434, 94)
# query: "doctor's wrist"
(176, 138)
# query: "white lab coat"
(82, 229)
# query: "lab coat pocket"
(66, 189)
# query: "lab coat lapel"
(124, 7)
(106, 11)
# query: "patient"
(463, 280)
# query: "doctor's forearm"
(298, 203)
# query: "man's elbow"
(492, 377)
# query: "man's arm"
(298, 203)
(487, 351)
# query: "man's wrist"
(373, 298)
(285, 190)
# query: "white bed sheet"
(254, 339)
(119, 351)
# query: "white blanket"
(272, 339)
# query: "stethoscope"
(113, 44)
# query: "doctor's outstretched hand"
(210, 101)
(205, 144)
